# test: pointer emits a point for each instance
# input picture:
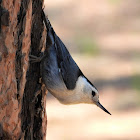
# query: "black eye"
(93, 93)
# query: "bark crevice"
(22, 96)
(32, 107)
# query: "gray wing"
(69, 69)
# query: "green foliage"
(136, 82)
(87, 45)
(136, 86)
(131, 100)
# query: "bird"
(61, 75)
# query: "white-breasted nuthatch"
(61, 75)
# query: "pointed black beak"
(99, 105)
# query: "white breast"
(79, 95)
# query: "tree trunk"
(22, 95)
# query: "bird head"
(91, 94)
(86, 92)
(95, 98)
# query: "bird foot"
(35, 59)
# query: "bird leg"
(35, 59)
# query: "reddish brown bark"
(22, 96)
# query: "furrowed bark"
(22, 96)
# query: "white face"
(95, 95)
(85, 93)
(88, 93)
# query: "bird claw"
(35, 59)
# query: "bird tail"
(46, 21)
(51, 35)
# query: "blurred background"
(103, 36)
